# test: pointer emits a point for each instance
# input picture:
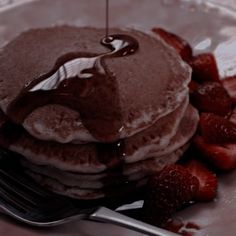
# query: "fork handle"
(108, 216)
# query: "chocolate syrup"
(112, 154)
(107, 18)
(82, 82)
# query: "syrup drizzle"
(82, 82)
(76, 81)
(107, 18)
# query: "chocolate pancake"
(71, 185)
(85, 158)
(86, 194)
(185, 131)
(129, 172)
(94, 117)
(143, 86)
(157, 136)
(187, 125)
(154, 164)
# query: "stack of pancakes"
(61, 153)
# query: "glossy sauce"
(80, 81)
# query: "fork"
(29, 203)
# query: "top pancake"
(148, 84)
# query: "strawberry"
(191, 225)
(180, 45)
(204, 68)
(222, 156)
(207, 180)
(232, 117)
(216, 129)
(168, 191)
(174, 225)
(229, 84)
(181, 228)
(211, 97)
(193, 85)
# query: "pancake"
(154, 164)
(64, 184)
(186, 129)
(92, 117)
(189, 122)
(84, 158)
(143, 91)
(86, 194)
(58, 123)
(158, 134)
(129, 172)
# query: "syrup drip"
(81, 82)
(107, 18)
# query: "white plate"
(207, 25)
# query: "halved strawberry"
(180, 45)
(167, 192)
(216, 129)
(229, 84)
(211, 97)
(207, 180)
(222, 156)
(204, 68)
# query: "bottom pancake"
(85, 194)
(77, 186)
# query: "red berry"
(211, 97)
(193, 85)
(229, 84)
(191, 225)
(174, 225)
(204, 68)
(168, 191)
(216, 129)
(207, 180)
(180, 45)
(222, 156)
(232, 116)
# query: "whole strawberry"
(217, 129)
(211, 97)
(168, 191)
(229, 83)
(221, 156)
(204, 68)
(181, 46)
